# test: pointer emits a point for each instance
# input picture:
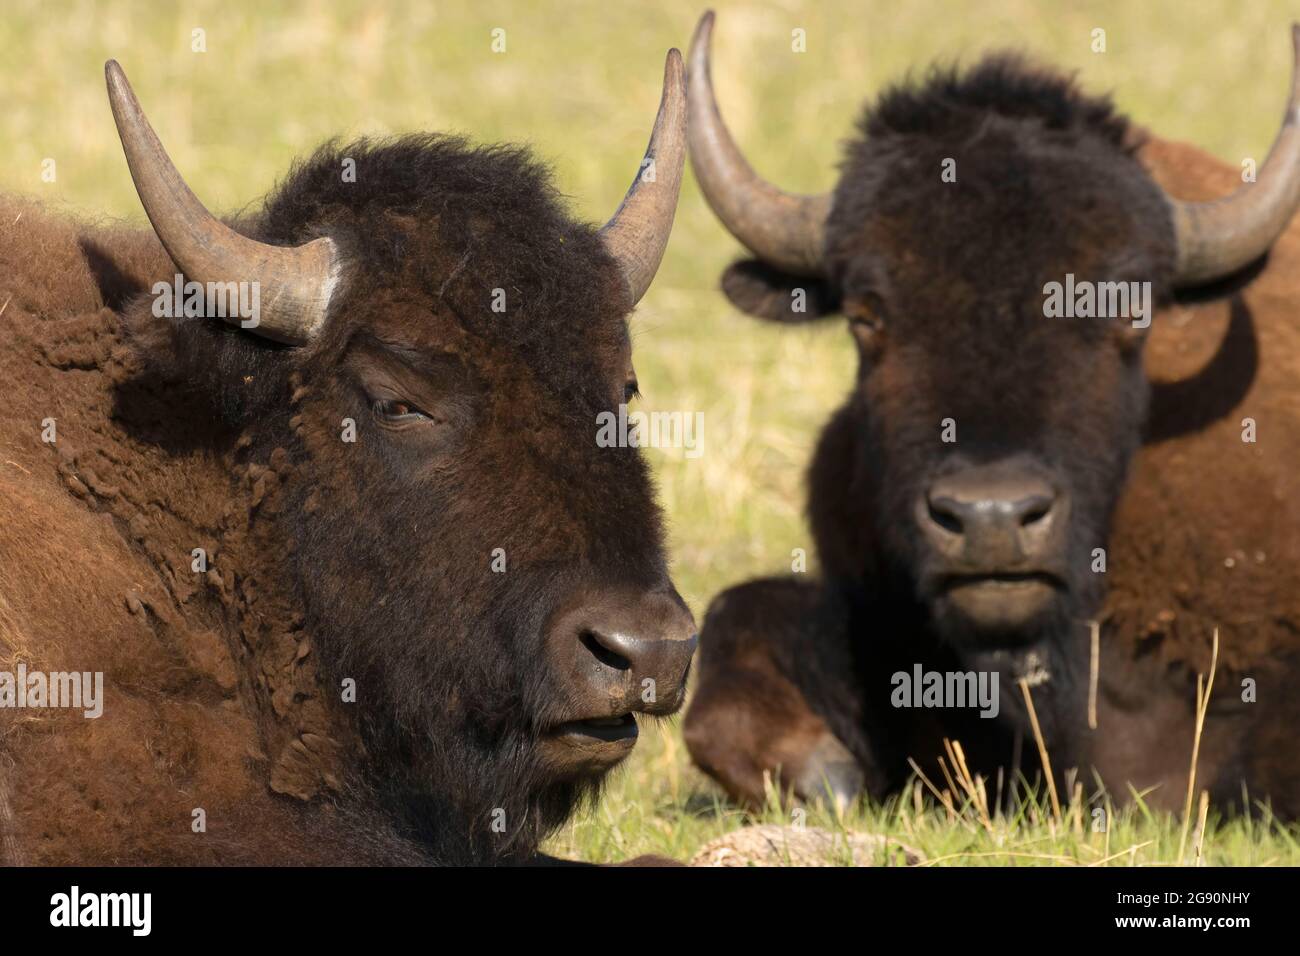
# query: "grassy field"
(579, 80)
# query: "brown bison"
(1002, 476)
(359, 581)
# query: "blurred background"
(579, 80)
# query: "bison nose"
(629, 651)
(992, 517)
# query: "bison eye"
(630, 391)
(864, 314)
(865, 323)
(397, 411)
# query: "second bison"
(1006, 473)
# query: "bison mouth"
(608, 729)
(589, 746)
(1002, 603)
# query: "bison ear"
(768, 293)
(212, 366)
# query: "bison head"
(436, 339)
(975, 467)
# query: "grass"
(636, 818)
(579, 81)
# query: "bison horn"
(784, 230)
(294, 282)
(637, 234)
(1217, 238)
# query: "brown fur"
(94, 542)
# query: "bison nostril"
(592, 642)
(1034, 515)
(1036, 510)
(944, 517)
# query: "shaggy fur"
(1200, 528)
(328, 561)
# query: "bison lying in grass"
(359, 580)
(1001, 476)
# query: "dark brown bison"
(359, 580)
(999, 478)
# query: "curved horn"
(294, 282)
(1219, 237)
(637, 234)
(784, 230)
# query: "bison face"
(989, 440)
(491, 579)
(992, 432)
(998, 251)
(512, 565)
(488, 573)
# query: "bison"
(1056, 510)
(358, 581)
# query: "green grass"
(579, 81)
(641, 814)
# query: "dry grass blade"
(943, 798)
(1198, 840)
(1052, 857)
(973, 786)
(1129, 851)
(1094, 667)
(1202, 707)
(1042, 750)
(952, 784)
